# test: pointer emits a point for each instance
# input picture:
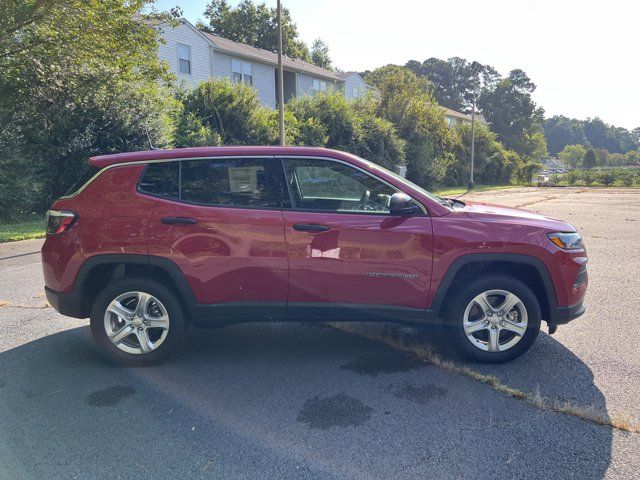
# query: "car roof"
(102, 161)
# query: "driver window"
(335, 187)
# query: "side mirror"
(402, 204)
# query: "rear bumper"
(563, 315)
(67, 304)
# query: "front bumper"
(563, 315)
(67, 304)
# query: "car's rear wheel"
(493, 319)
(136, 321)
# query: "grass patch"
(449, 191)
(23, 228)
(395, 338)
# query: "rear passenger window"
(237, 182)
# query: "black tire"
(455, 310)
(177, 322)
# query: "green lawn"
(31, 226)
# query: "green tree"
(320, 54)
(492, 164)
(561, 131)
(405, 100)
(514, 116)
(453, 80)
(589, 160)
(77, 78)
(572, 155)
(254, 24)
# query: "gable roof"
(247, 51)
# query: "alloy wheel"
(495, 320)
(136, 322)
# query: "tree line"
(82, 78)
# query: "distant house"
(195, 56)
(354, 85)
(454, 118)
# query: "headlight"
(566, 241)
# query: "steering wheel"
(362, 204)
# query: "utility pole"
(476, 68)
(473, 133)
(280, 77)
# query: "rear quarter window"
(87, 174)
(161, 180)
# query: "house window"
(319, 85)
(184, 59)
(242, 72)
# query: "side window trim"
(282, 158)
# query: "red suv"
(154, 241)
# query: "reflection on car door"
(346, 252)
(220, 221)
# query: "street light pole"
(280, 76)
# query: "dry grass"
(395, 338)
(17, 305)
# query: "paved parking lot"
(307, 401)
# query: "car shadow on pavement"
(251, 401)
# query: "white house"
(195, 56)
(454, 117)
(354, 85)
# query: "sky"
(583, 56)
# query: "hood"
(498, 213)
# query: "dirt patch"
(339, 410)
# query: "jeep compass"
(151, 242)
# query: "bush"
(571, 177)
(218, 112)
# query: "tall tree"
(561, 131)
(405, 100)
(256, 25)
(514, 116)
(77, 78)
(320, 54)
(453, 80)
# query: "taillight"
(59, 221)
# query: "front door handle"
(310, 227)
(172, 220)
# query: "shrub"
(221, 112)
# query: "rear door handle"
(172, 220)
(310, 227)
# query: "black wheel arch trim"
(170, 268)
(516, 258)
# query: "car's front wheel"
(493, 319)
(136, 321)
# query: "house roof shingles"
(259, 54)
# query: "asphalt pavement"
(303, 400)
